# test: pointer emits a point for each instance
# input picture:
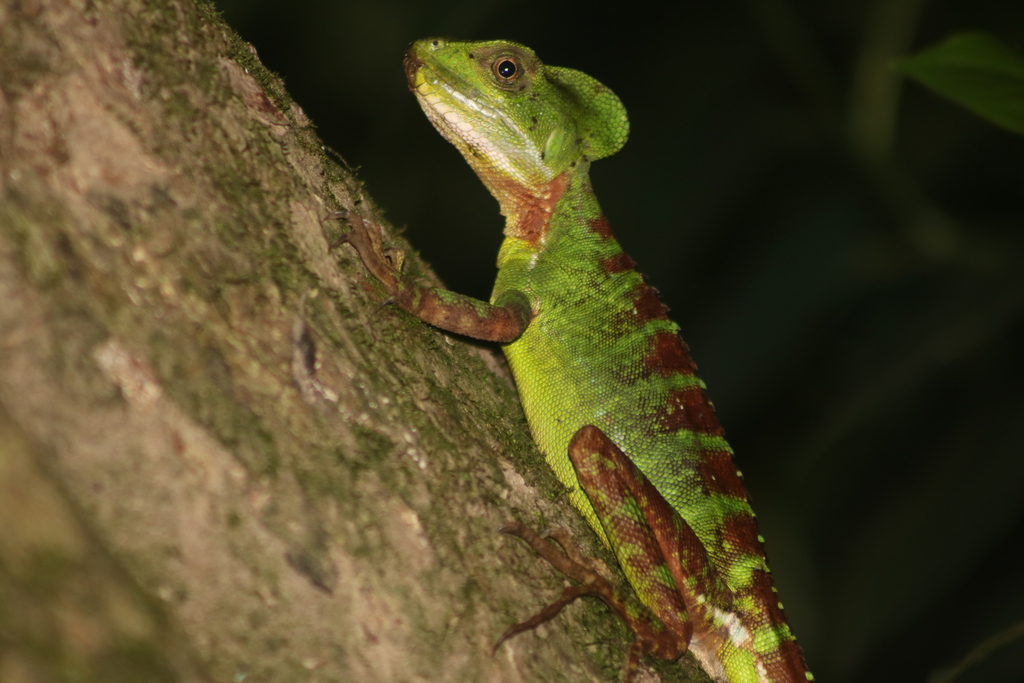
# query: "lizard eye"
(508, 69)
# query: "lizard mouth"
(412, 64)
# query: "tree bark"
(220, 460)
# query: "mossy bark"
(219, 459)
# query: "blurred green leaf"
(976, 71)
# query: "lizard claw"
(344, 238)
(383, 304)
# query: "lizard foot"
(364, 236)
(651, 636)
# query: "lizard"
(608, 386)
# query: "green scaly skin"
(608, 386)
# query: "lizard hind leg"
(644, 533)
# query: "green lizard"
(608, 386)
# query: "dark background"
(842, 249)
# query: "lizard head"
(514, 118)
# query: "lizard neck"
(537, 214)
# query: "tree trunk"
(220, 460)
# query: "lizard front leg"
(501, 321)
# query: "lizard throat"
(527, 210)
